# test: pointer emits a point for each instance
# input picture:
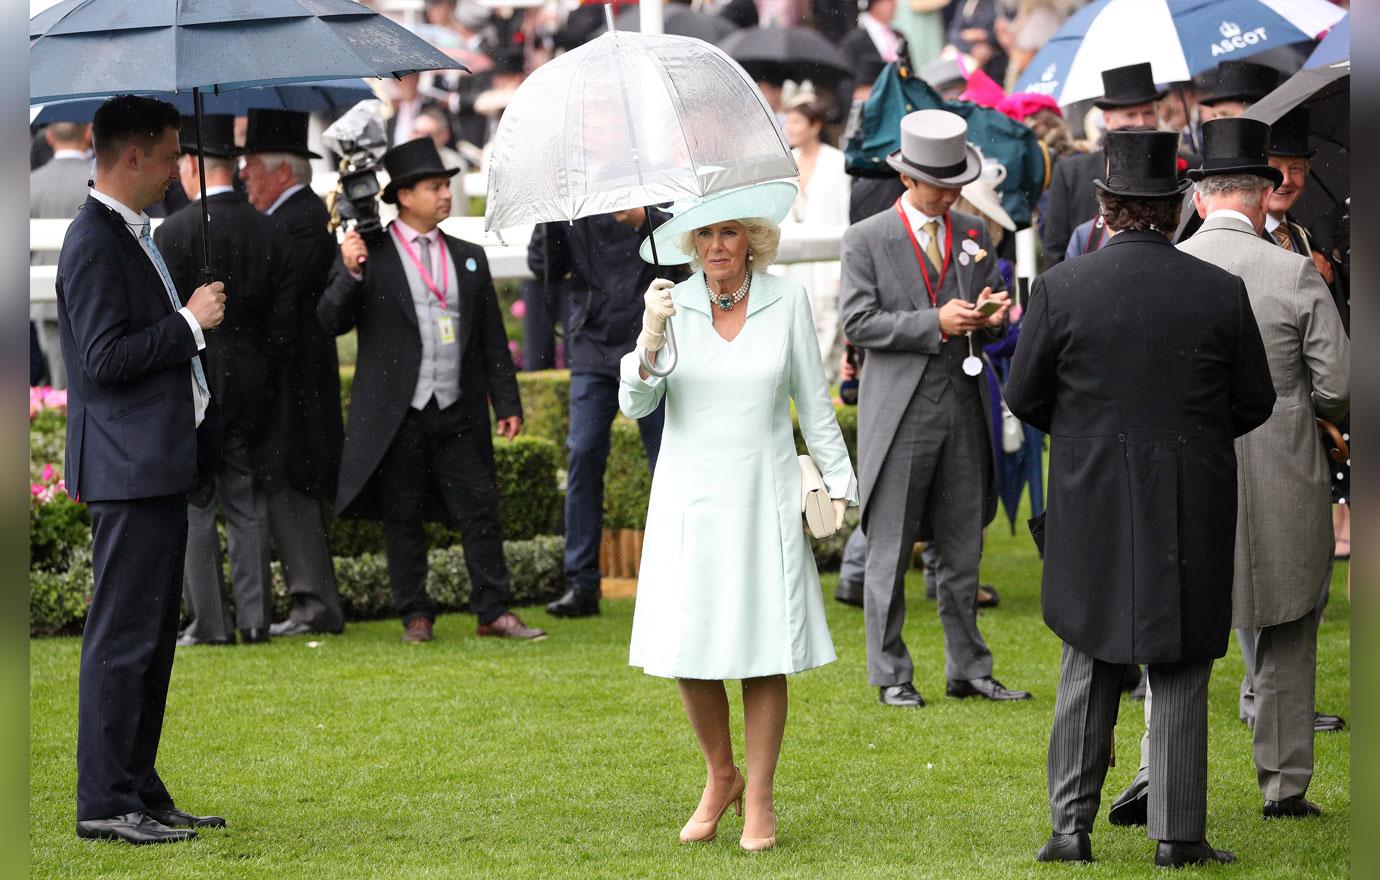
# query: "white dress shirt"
(1272, 223)
(287, 194)
(917, 220)
(134, 221)
(1235, 215)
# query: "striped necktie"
(1282, 237)
(147, 241)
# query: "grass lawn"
(364, 757)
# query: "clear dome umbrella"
(630, 120)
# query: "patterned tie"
(931, 228)
(1282, 237)
(147, 240)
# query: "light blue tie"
(147, 240)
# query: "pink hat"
(1022, 104)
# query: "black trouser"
(435, 450)
(137, 553)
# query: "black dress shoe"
(1132, 806)
(901, 695)
(577, 602)
(986, 687)
(1177, 854)
(192, 641)
(1291, 808)
(1075, 847)
(136, 828)
(175, 818)
(1327, 723)
(987, 596)
(849, 593)
(255, 635)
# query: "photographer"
(432, 352)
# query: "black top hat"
(1289, 134)
(217, 135)
(410, 162)
(278, 131)
(1236, 145)
(1128, 86)
(1240, 81)
(1144, 164)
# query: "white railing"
(507, 258)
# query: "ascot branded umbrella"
(328, 96)
(776, 54)
(87, 48)
(630, 120)
(1180, 38)
(1334, 47)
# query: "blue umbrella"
(1180, 38)
(85, 48)
(323, 95)
(1335, 47)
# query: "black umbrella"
(682, 22)
(88, 48)
(776, 54)
(1326, 92)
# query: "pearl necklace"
(724, 301)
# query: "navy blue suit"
(132, 457)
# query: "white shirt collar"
(212, 191)
(134, 219)
(70, 154)
(1228, 212)
(917, 218)
(1271, 224)
(287, 194)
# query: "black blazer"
(131, 425)
(306, 431)
(1142, 363)
(249, 253)
(380, 309)
(1072, 201)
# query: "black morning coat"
(245, 353)
(1142, 363)
(130, 416)
(306, 431)
(390, 357)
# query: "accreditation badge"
(446, 326)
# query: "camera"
(358, 138)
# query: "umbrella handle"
(669, 352)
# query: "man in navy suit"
(139, 432)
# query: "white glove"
(658, 307)
(840, 505)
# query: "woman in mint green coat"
(728, 587)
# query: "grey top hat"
(941, 73)
(935, 149)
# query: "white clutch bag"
(814, 500)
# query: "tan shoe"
(509, 626)
(418, 630)
(703, 832)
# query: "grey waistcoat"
(946, 368)
(439, 374)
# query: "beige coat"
(1284, 522)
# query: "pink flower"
(49, 473)
(35, 488)
(56, 398)
(34, 409)
(518, 309)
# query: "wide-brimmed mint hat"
(761, 201)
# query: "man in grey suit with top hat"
(921, 293)
(1142, 363)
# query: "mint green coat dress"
(727, 586)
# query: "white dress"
(824, 202)
(728, 587)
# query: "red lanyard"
(440, 292)
(920, 258)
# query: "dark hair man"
(138, 434)
(433, 357)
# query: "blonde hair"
(764, 239)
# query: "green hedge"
(546, 404)
(58, 599)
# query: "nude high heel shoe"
(758, 844)
(703, 832)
